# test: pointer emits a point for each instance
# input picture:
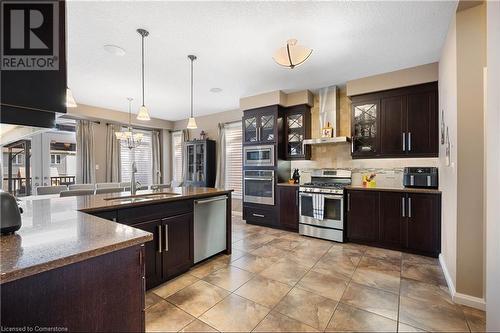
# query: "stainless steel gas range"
(321, 204)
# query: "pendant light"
(292, 54)
(128, 138)
(143, 110)
(70, 100)
(192, 122)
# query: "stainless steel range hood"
(329, 112)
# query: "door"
(177, 244)
(153, 251)
(190, 163)
(250, 129)
(267, 128)
(423, 123)
(423, 223)
(392, 218)
(289, 206)
(363, 216)
(393, 125)
(365, 140)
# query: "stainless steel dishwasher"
(209, 227)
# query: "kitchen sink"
(143, 197)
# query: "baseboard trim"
(472, 301)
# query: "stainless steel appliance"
(10, 213)
(209, 227)
(321, 204)
(258, 186)
(420, 177)
(258, 155)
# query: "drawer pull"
(409, 207)
(166, 237)
(159, 238)
(404, 141)
(257, 215)
(403, 206)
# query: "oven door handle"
(305, 195)
(257, 178)
(333, 197)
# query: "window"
(177, 156)
(143, 157)
(18, 159)
(233, 162)
(55, 159)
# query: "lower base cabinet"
(399, 220)
(288, 201)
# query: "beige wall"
(209, 123)
(277, 97)
(401, 78)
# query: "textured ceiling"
(234, 42)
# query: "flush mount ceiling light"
(70, 100)
(192, 122)
(114, 49)
(143, 110)
(128, 138)
(215, 90)
(291, 55)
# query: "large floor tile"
(235, 254)
(164, 317)
(422, 291)
(263, 291)
(308, 308)
(373, 300)
(197, 326)
(229, 278)
(285, 271)
(381, 274)
(235, 314)
(302, 258)
(416, 259)
(277, 322)
(339, 263)
(351, 319)
(207, 267)
(253, 242)
(151, 299)
(407, 328)
(431, 316)
(423, 272)
(475, 318)
(327, 285)
(198, 297)
(284, 243)
(389, 255)
(270, 252)
(173, 286)
(253, 263)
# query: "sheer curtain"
(85, 163)
(113, 162)
(155, 144)
(221, 156)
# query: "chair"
(74, 193)
(108, 190)
(42, 190)
(82, 187)
(107, 185)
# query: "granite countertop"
(57, 232)
(395, 189)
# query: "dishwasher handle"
(205, 201)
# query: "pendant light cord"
(192, 88)
(142, 70)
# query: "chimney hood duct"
(329, 113)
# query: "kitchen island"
(82, 263)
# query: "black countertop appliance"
(423, 177)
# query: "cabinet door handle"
(404, 141)
(348, 202)
(166, 237)
(159, 238)
(409, 207)
(403, 206)
(352, 144)
(409, 141)
(257, 215)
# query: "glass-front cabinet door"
(190, 163)
(365, 128)
(295, 135)
(250, 129)
(267, 126)
(200, 162)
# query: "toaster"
(423, 177)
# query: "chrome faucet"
(133, 183)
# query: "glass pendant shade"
(192, 123)
(143, 114)
(291, 55)
(70, 100)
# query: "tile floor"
(277, 281)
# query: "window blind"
(177, 156)
(233, 159)
(143, 157)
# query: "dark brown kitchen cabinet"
(362, 215)
(400, 122)
(297, 129)
(260, 125)
(288, 200)
(153, 256)
(399, 220)
(178, 244)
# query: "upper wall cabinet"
(33, 83)
(297, 129)
(396, 123)
(261, 125)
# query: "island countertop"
(58, 231)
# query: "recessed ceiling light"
(113, 49)
(216, 90)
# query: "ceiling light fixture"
(192, 122)
(291, 55)
(143, 110)
(114, 49)
(70, 100)
(215, 90)
(128, 138)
